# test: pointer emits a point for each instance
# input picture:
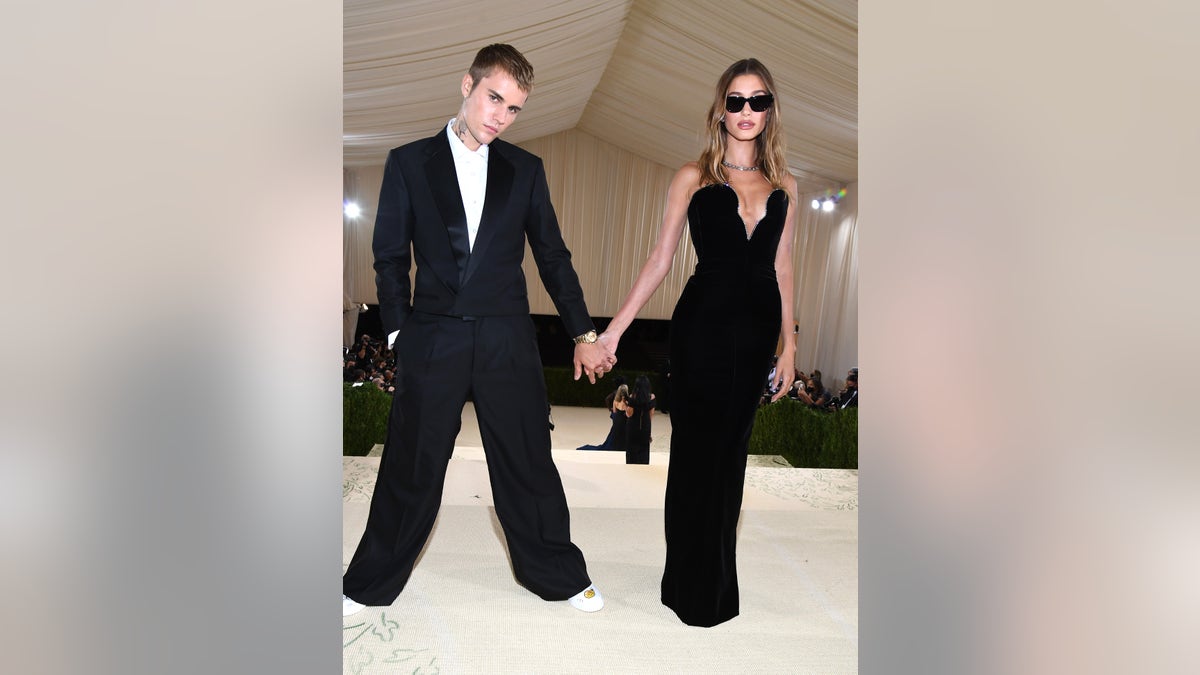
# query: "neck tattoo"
(460, 129)
(731, 165)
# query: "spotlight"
(830, 201)
(351, 210)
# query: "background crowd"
(811, 391)
(369, 360)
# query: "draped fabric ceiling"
(620, 92)
(638, 74)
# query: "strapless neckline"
(766, 210)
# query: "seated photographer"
(847, 397)
(818, 396)
(797, 392)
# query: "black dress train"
(723, 335)
(617, 438)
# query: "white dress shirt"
(471, 167)
(472, 179)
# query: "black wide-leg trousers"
(440, 360)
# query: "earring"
(722, 119)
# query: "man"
(848, 397)
(463, 204)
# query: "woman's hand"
(610, 341)
(783, 369)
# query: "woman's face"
(746, 125)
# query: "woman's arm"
(783, 274)
(659, 262)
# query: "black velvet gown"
(723, 336)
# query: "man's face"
(490, 106)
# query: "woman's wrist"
(617, 326)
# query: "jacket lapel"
(499, 183)
(443, 184)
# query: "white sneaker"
(587, 600)
(350, 607)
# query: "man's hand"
(593, 359)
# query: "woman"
(616, 433)
(818, 395)
(640, 410)
(738, 202)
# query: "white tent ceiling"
(634, 73)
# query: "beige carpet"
(462, 612)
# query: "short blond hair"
(506, 58)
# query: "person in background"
(640, 411)
(818, 395)
(616, 439)
(798, 384)
(618, 382)
(848, 396)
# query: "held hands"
(606, 347)
(784, 372)
(593, 359)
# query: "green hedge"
(364, 418)
(562, 389)
(806, 437)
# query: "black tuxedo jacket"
(421, 214)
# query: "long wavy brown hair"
(769, 146)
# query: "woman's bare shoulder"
(686, 180)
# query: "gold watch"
(587, 338)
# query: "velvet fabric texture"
(723, 335)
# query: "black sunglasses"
(759, 103)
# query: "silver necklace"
(731, 165)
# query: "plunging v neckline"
(766, 207)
